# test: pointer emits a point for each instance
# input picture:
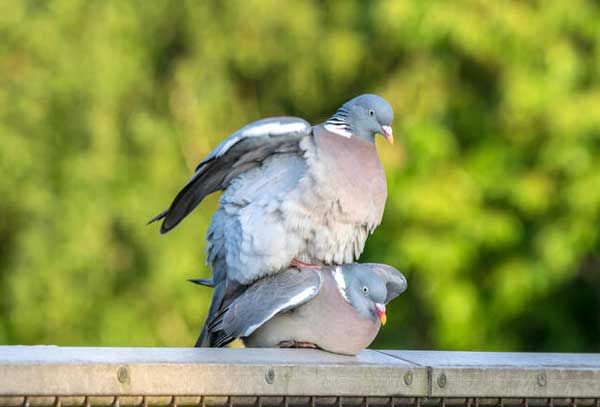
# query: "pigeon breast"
(345, 194)
(318, 206)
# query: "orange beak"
(388, 134)
(380, 309)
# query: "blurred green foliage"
(494, 204)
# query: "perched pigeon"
(293, 194)
(335, 308)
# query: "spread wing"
(263, 300)
(244, 149)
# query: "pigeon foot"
(297, 263)
(297, 344)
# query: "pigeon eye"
(366, 290)
(371, 113)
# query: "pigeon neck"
(340, 282)
(338, 123)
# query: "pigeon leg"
(286, 344)
(297, 263)
(297, 344)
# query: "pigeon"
(335, 308)
(293, 194)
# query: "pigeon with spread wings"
(293, 194)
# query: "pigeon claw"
(300, 264)
(297, 344)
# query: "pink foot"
(301, 264)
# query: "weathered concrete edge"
(535, 379)
(380, 375)
(55, 371)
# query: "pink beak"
(388, 134)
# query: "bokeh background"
(494, 183)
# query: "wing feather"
(243, 150)
(266, 298)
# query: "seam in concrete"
(398, 357)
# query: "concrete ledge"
(51, 370)
(51, 375)
(499, 374)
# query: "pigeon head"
(363, 117)
(370, 286)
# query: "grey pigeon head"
(370, 286)
(364, 117)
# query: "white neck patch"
(338, 276)
(339, 130)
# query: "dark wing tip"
(158, 217)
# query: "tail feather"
(224, 293)
(223, 340)
(205, 339)
(207, 282)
